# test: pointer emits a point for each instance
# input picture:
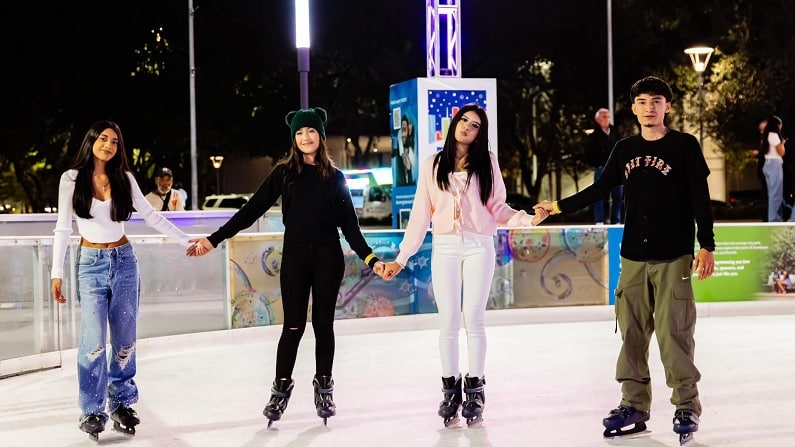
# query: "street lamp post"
(194, 178)
(699, 56)
(217, 160)
(302, 47)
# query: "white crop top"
(101, 228)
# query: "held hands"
(545, 205)
(378, 268)
(199, 247)
(541, 214)
(391, 270)
(543, 209)
(704, 264)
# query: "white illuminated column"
(443, 38)
(699, 56)
(194, 178)
(302, 46)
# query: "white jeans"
(462, 270)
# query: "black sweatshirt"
(665, 192)
(312, 210)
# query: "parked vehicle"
(225, 201)
(371, 199)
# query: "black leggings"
(317, 267)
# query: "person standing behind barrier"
(100, 193)
(664, 174)
(772, 145)
(315, 202)
(164, 197)
(461, 193)
(598, 145)
(760, 163)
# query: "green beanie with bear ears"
(314, 118)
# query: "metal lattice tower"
(443, 38)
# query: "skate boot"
(280, 395)
(624, 416)
(93, 424)
(685, 423)
(324, 403)
(472, 409)
(448, 408)
(125, 419)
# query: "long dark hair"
(116, 168)
(294, 162)
(478, 159)
(773, 126)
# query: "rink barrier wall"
(539, 271)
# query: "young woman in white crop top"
(100, 194)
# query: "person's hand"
(391, 269)
(199, 247)
(56, 290)
(541, 214)
(378, 268)
(545, 205)
(704, 264)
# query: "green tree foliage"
(781, 253)
(538, 134)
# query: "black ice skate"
(448, 407)
(125, 419)
(685, 423)
(472, 409)
(93, 424)
(624, 416)
(324, 401)
(280, 396)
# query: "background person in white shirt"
(772, 145)
(100, 193)
(164, 198)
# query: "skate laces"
(93, 418)
(686, 416)
(126, 412)
(622, 411)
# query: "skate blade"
(93, 435)
(474, 421)
(325, 413)
(451, 422)
(684, 438)
(620, 432)
(124, 429)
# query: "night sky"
(58, 51)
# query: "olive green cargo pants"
(657, 296)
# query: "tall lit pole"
(194, 181)
(610, 99)
(302, 47)
(699, 56)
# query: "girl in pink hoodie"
(461, 195)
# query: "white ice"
(549, 383)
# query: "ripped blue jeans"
(108, 289)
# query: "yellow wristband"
(555, 207)
(368, 258)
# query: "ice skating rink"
(549, 383)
